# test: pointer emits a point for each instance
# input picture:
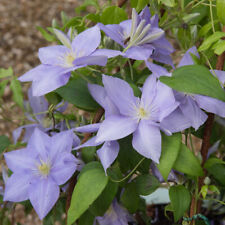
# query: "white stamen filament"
(134, 23)
(151, 37)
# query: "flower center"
(142, 113)
(69, 60)
(44, 168)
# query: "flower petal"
(50, 82)
(33, 73)
(147, 141)
(52, 55)
(106, 52)
(116, 127)
(100, 60)
(157, 70)
(86, 42)
(99, 94)
(91, 142)
(212, 105)
(90, 128)
(149, 90)
(120, 92)
(39, 143)
(175, 122)
(63, 37)
(114, 31)
(108, 153)
(63, 168)
(187, 59)
(191, 110)
(16, 188)
(20, 160)
(139, 52)
(43, 195)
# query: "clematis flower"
(140, 37)
(115, 215)
(140, 116)
(189, 112)
(109, 149)
(39, 169)
(58, 61)
(36, 111)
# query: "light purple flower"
(189, 112)
(58, 61)
(140, 116)
(115, 215)
(39, 169)
(140, 37)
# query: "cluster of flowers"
(47, 162)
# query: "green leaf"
(91, 182)
(88, 154)
(146, 184)
(219, 47)
(103, 202)
(218, 172)
(169, 3)
(210, 40)
(46, 35)
(86, 219)
(76, 92)
(3, 85)
(220, 7)
(195, 79)
(6, 72)
(4, 143)
(93, 17)
(211, 161)
(113, 15)
(16, 88)
(180, 200)
(187, 162)
(141, 4)
(206, 28)
(133, 3)
(170, 151)
(53, 98)
(130, 198)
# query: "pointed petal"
(120, 92)
(52, 55)
(212, 105)
(16, 189)
(139, 52)
(32, 74)
(91, 60)
(145, 14)
(20, 160)
(91, 142)
(157, 70)
(108, 153)
(38, 143)
(149, 90)
(163, 58)
(147, 141)
(90, 128)
(43, 195)
(62, 142)
(63, 168)
(164, 101)
(116, 127)
(99, 94)
(114, 31)
(86, 42)
(107, 52)
(175, 122)
(191, 110)
(126, 27)
(50, 82)
(187, 59)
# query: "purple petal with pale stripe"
(108, 153)
(147, 141)
(116, 127)
(43, 195)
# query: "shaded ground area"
(19, 38)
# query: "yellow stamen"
(44, 168)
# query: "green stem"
(211, 15)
